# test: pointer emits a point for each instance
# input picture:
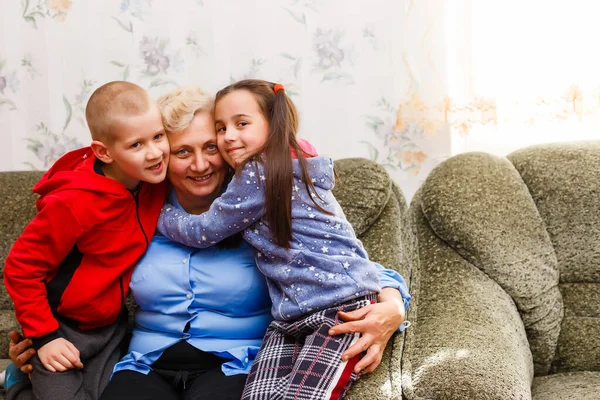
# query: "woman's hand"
(376, 323)
(20, 351)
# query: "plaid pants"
(300, 361)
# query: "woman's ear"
(101, 152)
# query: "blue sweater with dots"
(325, 265)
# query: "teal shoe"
(13, 375)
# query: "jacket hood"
(320, 169)
(75, 170)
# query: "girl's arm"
(239, 207)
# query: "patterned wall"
(349, 66)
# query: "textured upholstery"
(507, 283)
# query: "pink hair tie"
(278, 87)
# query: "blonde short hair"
(179, 106)
(111, 102)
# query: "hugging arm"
(389, 278)
(376, 322)
(240, 206)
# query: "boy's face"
(139, 149)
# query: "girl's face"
(196, 169)
(242, 129)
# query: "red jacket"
(76, 257)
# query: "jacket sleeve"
(239, 207)
(40, 249)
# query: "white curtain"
(525, 72)
(406, 83)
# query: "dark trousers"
(181, 373)
(99, 349)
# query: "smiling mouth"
(234, 149)
(155, 166)
(203, 178)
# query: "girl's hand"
(376, 323)
(20, 351)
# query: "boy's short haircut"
(111, 102)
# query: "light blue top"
(325, 265)
(220, 292)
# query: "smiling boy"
(68, 273)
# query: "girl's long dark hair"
(282, 116)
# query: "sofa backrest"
(18, 208)
(564, 182)
(531, 222)
(377, 210)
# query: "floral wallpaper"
(358, 71)
(404, 83)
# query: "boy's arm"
(239, 207)
(40, 249)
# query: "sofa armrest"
(468, 340)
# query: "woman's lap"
(212, 384)
(135, 385)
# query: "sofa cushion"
(567, 386)
(468, 340)
(478, 204)
(362, 189)
(377, 210)
(18, 208)
(564, 181)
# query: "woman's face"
(196, 169)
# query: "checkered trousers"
(300, 361)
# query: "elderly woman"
(202, 313)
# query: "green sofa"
(507, 290)
(373, 204)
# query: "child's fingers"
(58, 366)
(64, 362)
(49, 366)
(72, 354)
(73, 349)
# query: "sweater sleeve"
(239, 207)
(40, 249)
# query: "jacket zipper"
(137, 213)
(122, 297)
